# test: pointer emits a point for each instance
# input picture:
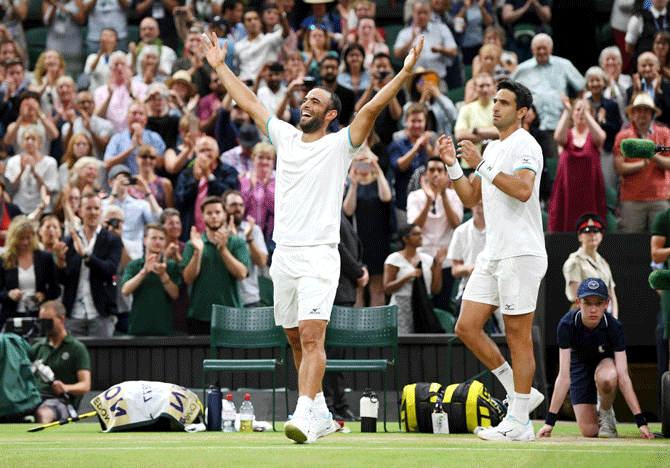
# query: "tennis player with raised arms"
(311, 170)
(508, 271)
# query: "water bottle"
(214, 408)
(228, 414)
(246, 414)
(369, 411)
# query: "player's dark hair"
(523, 96)
(334, 103)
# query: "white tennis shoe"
(607, 423)
(297, 427)
(510, 429)
(321, 427)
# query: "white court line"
(294, 447)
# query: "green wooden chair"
(365, 327)
(252, 328)
(266, 287)
(447, 320)
(36, 39)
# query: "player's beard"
(313, 124)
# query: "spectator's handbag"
(467, 405)
(425, 320)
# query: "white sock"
(506, 377)
(520, 406)
(320, 409)
(304, 405)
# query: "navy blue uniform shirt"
(590, 346)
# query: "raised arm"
(247, 100)
(365, 119)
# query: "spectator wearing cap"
(645, 183)
(137, 213)
(149, 35)
(329, 72)
(159, 117)
(586, 262)
(122, 148)
(592, 365)
(240, 156)
(207, 176)
(258, 48)
(272, 92)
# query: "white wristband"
(455, 171)
(487, 171)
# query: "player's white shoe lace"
(322, 427)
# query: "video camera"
(28, 327)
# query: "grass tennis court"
(82, 445)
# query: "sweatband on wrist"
(455, 171)
(640, 420)
(487, 171)
(551, 418)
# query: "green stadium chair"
(252, 328)
(391, 32)
(133, 33)
(365, 327)
(612, 222)
(468, 72)
(447, 320)
(36, 38)
(545, 220)
(611, 197)
(266, 291)
(456, 94)
(552, 165)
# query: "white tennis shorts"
(511, 283)
(305, 281)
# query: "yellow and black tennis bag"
(468, 405)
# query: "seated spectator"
(96, 128)
(258, 48)
(138, 213)
(8, 211)
(245, 228)
(606, 113)
(526, 18)
(645, 183)
(424, 88)
(49, 67)
(149, 36)
(148, 63)
(402, 267)
(171, 220)
(79, 146)
(87, 264)
(30, 170)
(160, 187)
(64, 112)
(209, 105)
(15, 13)
(592, 364)
(183, 94)
(68, 359)
(354, 77)
(586, 262)
(661, 49)
(369, 38)
(66, 208)
(579, 185)
(97, 63)
(495, 35)
(64, 21)
(649, 80)
(30, 115)
(160, 117)
(205, 177)
(470, 20)
(88, 174)
(257, 187)
(437, 210)
(316, 45)
(642, 28)
(439, 48)
(123, 146)
(27, 275)
(10, 49)
(411, 152)
(489, 55)
(11, 91)
(475, 120)
(212, 265)
(240, 156)
(176, 160)
(154, 281)
(113, 100)
(617, 82)
(368, 200)
(50, 233)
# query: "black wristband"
(551, 418)
(640, 420)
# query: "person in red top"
(645, 183)
(7, 212)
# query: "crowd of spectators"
(151, 186)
